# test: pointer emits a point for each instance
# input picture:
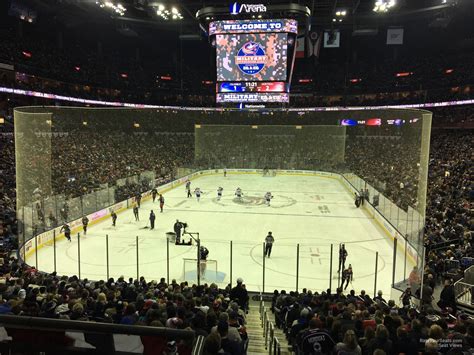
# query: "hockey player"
(219, 193)
(188, 189)
(153, 194)
(342, 257)
(225, 172)
(162, 202)
(85, 222)
(197, 192)
(135, 213)
(204, 252)
(152, 219)
(239, 193)
(346, 276)
(114, 218)
(268, 197)
(357, 200)
(67, 231)
(138, 199)
(269, 240)
(177, 229)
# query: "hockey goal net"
(208, 269)
(269, 172)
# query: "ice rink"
(312, 211)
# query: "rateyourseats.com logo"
(237, 8)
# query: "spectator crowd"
(357, 324)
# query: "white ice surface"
(312, 211)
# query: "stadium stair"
(256, 332)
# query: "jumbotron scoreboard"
(253, 59)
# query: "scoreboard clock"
(252, 86)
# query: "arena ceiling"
(140, 20)
(75, 12)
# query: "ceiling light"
(384, 5)
(174, 10)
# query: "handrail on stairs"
(266, 329)
(276, 347)
(272, 344)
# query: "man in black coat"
(447, 297)
(240, 294)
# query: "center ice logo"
(250, 200)
(251, 58)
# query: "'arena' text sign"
(237, 8)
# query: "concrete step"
(255, 331)
(256, 336)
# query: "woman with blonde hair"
(348, 345)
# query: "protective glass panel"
(77, 161)
(272, 147)
(89, 203)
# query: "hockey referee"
(269, 240)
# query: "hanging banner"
(394, 36)
(313, 44)
(300, 47)
(332, 39)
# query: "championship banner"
(332, 39)
(394, 36)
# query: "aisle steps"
(256, 332)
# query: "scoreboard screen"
(252, 86)
(253, 26)
(252, 97)
(251, 57)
